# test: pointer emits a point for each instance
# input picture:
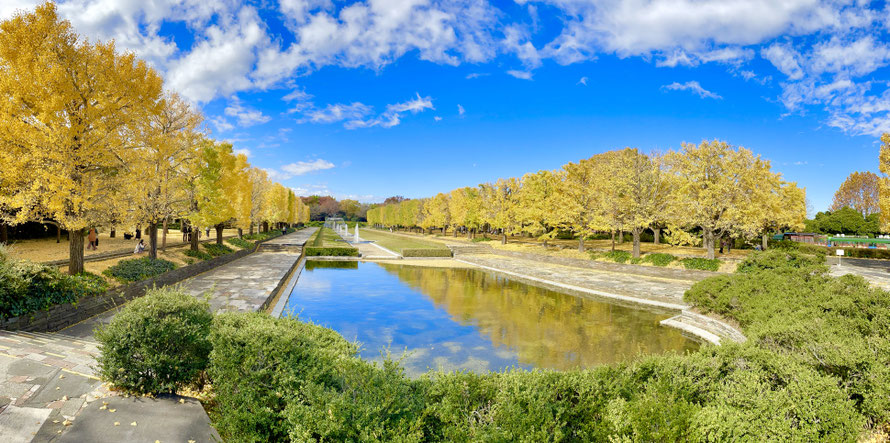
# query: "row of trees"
(89, 138)
(712, 188)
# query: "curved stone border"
(700, 326)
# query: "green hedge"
(137, 269)
(199, 254)
(241, 243)
(156, 343)
(306, 384)
(702, 264)
(426, 252)
(27, 287)
(313, 251)
(618, 256)
(816, 367)
(217, 250)
(261, 365)
(839, 327)
(659, 259)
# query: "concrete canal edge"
(702, 327)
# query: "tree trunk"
(4, 234)
(620, 237)
(636, 249)
(545, 243)
(164, 236)
(219, 234)
(240, 233)
(581, 243)
(112, 233)
(153, 240)
(764, 241)
(503, 237)
(657, 235)
(613, 240)
(251, 229)
(75, 251)
(195, 232)
(709, 243)
(59, 234)
(454, 232)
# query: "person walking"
(91, 238)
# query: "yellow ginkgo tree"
(67, 110)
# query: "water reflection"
(475, 320)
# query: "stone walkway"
(660, 292)
(49, 391)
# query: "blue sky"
(382, 97)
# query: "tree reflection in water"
(452, 318)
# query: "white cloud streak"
(693, 87)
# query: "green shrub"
(702, 264)
(136, 269)
(260, 364)
(636, 260)
(617, 256)
(481, 239)
(216, 250)
(27, 287)
(836, 326)
(659, 259)
(156, 343)
(200, 255)
(789, 245)
(882, 254)
(331, 252)
(426, 252)
(241, 243)
(807, 248)
(782, 260)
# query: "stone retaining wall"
(61, 316)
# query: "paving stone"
(21, 424)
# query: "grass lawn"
(46, 249)
(329, 239)
(397, 242)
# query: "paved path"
(875, 271)
(49, 391)
(659, 291)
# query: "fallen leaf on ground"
(103, 407)
(117, 423)
(133, 424)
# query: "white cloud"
(221, 124)
(785, 59)
(437, 118)
(583, 81)
(244, 151)
(693, 87)
(460, 110)
(336, 112)
(473, 75)
(393, 114)
(815, 45)
(524, 75)
(300, 168)
(297, 94)
(245, 115)
(358, 115)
